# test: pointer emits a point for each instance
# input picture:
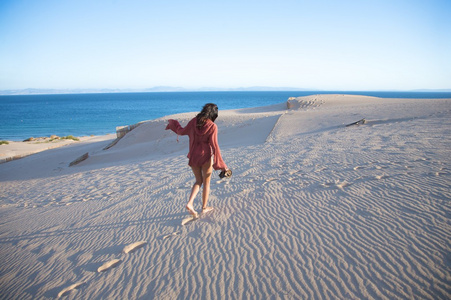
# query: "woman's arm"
(175, 126)
(218, 163)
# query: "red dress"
(203, 142)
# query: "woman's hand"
(226, 173)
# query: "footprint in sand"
(134, 246)
(188, 219)
(319, 169)
(69, 289)
(108, 265)
(342, 184)
(295, 172)
(336, 184)
(439, 173)
(269, 180)
(127, 249)
(421, 159)
(327, 184)
(383, 176)
(252, 179)
(171, 235)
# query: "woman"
(204, 154)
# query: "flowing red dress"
(203, 142)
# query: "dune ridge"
(314, 209)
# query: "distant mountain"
(254, 89)
(433, 90)
(32, 91)
(165, 89)
(60, 91)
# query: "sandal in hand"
(225, 174)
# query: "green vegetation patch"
(70, 137)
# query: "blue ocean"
(24, 116)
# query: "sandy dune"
(314, 210)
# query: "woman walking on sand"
(204, 154)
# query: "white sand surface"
(16, 150)
(314, 210)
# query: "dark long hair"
(208, 112)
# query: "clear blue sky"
(330, 45)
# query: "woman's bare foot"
(191, 211)
(206, 209)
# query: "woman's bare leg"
(196, 187)
(207, 170)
